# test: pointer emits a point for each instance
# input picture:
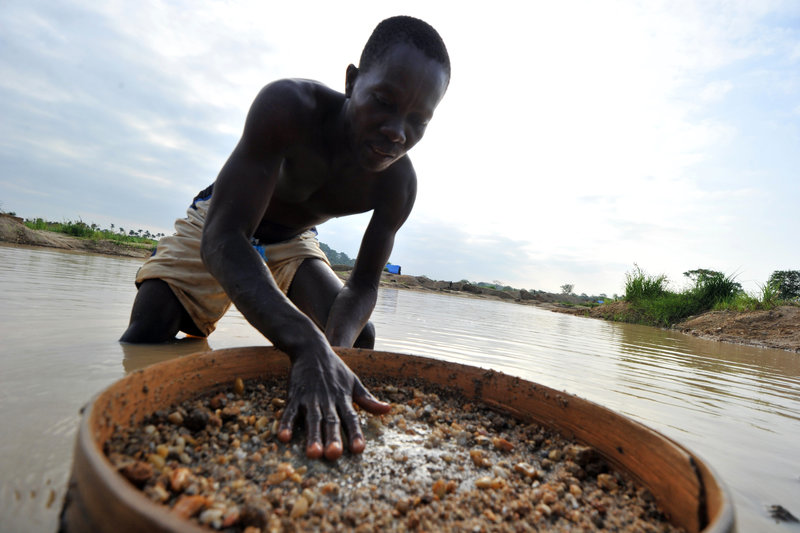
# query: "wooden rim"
(684, 486)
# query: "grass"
(83, 230)
(768, 298)
(651, 301)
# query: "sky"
(577, 139)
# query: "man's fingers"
(313, 421)
(367, 401)
(353, 427)
(333, 436)
(287, 422)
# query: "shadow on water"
(138, 356)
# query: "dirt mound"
(776, 328)
(13, 230)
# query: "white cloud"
(575, 137)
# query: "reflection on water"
(61, 315)
(138, 356)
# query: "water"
(61, 315)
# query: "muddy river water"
(61, 314)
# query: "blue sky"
(576, 139)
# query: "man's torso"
(319, 180)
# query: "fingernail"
(314, 450)
(285, 435)
(357, 445)
(333, 451)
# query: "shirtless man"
(307, 154)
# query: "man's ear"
(350, 79)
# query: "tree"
(699, 274)
(787, 282)
(567, 288)
(705, 276)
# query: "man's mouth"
(388, 154)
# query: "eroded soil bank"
(777, 328)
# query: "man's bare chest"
(307, 195)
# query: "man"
(307, 154)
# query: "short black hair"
(404, 29)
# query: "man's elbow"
(208, 246)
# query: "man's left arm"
(354, 304)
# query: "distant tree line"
(336, 258)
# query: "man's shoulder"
(297, 95)
(288, 111)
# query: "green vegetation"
(336, 258)
(651, 301)
(786, 283)
(83, 230)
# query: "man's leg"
(314, 289)
(157, 315)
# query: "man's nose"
(394, 131)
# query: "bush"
(713, 289)
(640, 286)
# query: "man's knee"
(366, 339)
(156, 314)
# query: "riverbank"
(14, 231)
(777, 328)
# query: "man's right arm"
(242, 193)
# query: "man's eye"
(420, 122)
(381, 100)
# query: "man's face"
(391, 104)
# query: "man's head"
(403, 74)
(403, 29)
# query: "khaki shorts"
(177, 261)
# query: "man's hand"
(324, 389)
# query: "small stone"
(487, 482)
(157, 493)
(606, 482)
(278, 403)
(252, 516)
(309, 495)
(218, 402)
(544, 509)
(137, 473)
(197, 419)
(479, 458)
(188, 506)
(180, 479)
(162, 450)
(502, 444)
(238, 386)
(526, 470)
(176, 418)
(210, 516)
(300, 507)
(156, 460)
(439, 488)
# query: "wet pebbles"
(435, 463)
